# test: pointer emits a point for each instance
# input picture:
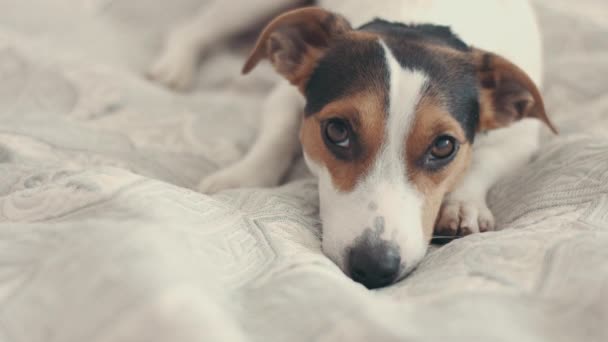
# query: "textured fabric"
(101, 240)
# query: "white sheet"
(101, 240)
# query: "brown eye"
(337, 133)
(443, 147)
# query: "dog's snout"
(374, 265)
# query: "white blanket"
(101, 240)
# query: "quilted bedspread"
(102, 238)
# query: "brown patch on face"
(433, 120)
(365, 112)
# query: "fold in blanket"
(102, 240)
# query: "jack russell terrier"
(405, 123)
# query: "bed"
(102, 238)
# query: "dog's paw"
(462, 217)
(176, 66)
(236, 176)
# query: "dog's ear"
(506, 93)
(294, 42)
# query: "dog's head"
(391, 114)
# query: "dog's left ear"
(506, 92)
(294, 42)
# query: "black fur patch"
(454, 78)
(350, 66)
(441, 35)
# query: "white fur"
(504, 27)
(279, 132)
(385, 191)
(494, 155)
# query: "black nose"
(374, 265)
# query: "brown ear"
(294, 41)
(507, 94)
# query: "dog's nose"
(374, 265)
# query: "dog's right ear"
(294, 42)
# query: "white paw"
(463, 217)
(237, 176)
(176, 66)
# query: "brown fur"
(431, 120)
(507, 94)
(294, 41)
(365, 111)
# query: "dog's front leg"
(464, 211)
(272, 153)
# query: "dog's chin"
(339, 243)
(403, 274)
(406, 272)
(376, 216)
(339, 258)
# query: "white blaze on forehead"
(384, 194)
(404, 94)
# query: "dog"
(407, 112)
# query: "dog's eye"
(440, 153)
(337, 133)
(443, 147)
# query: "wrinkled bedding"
(102, 240)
